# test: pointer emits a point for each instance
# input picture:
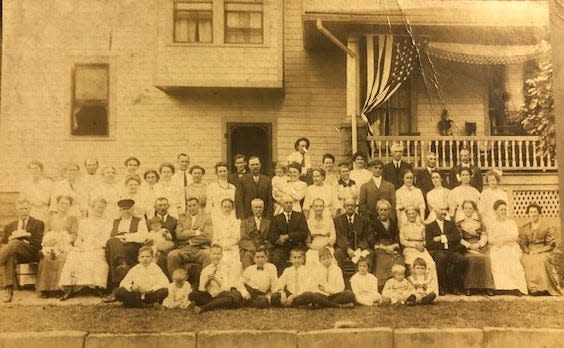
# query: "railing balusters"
(443, 147)
(535, 157)
(521, 153)
(505, 146)
(513, 154)
(527, 156)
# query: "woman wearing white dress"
(151, 177)
(505, 252)
(168, 189)
(359, 173)
(492, 193)
(132, 191)
(323, 191)
(197, 188)
(227, 233)
(321, 233)
(219, 190)
(109, 190)
(37, 190)
(461, 193)
(131, 166)
(331, 178)
(85, 264)
(294, 188)
(409, 195)
(437, 197)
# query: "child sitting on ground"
(398, 289)
(220, 285)
(160, 239)
(178, 291)
(144, 284)
(259, 279)
(329, 288)
(365, 285)
(294, 286)
(425, 291)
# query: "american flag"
(389, 62)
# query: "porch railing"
(503, 152)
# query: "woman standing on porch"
(409, 195)
(37, 190)
(437, 197)
(219, 190)
(461, 193)
(359, 173)
(505, 253)
(197, 188)
(168, 189)
(132, 191)
(151, 177)
(492, 193)
(537, 240)
(328, 194)
(109, 190)
(294, 188)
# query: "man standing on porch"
(375, 189)
(241, 169)
(182, 177)
(393, 171)
(454, 176)
(251, 186)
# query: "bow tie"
(260, 268)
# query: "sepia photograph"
(281, 173)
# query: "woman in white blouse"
(294, 188)
(132, 191)
(462, 193)
(359, 173)
(109, 190)
(323, 191)
(227, 233)
(37, 190)
(437, 197)
(219, 190)
(167, 188)
(322, 232)
(409, 195)
(151, 177)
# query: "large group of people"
(283, 240)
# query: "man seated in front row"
(169, 223)
(20, 242)
(194, 234)
(254, 233)
(353, 231)
(288, 230)
(127, 236)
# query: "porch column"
(514, 81)
(353, 89)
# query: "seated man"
(288, 230)
(20, 242)
(353, 231)
(254, 232)
(169, 223)
(127, 236)
(442, 239)
(194, 234)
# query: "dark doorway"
(250, 139)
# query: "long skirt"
(478, 270)
(383, 263)
(507, 270)
(49, 272)
(86, 268)
(540, 273)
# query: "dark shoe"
(410, 301)
(100, 292)
(8, 294)
(456, 292)
(442, 292)
(490, 292)
(428, 299)
(44, 294)
(468, 292)
(68, 294)
(518, 293)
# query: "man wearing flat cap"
(375, 189)
(127, 236)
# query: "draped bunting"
(389, 62)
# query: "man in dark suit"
(251, 186)
(352, 232)
(476, 180)
(442, 239)
(423, 177)
(393, 171)
(169, 223)
(20, 242)
(375, 189)
(241, 169)
(254, 233)
(288, 230)
(127, 236)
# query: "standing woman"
(322, 191)
(491, 193)
(85, 264)
(219, 190)
(131, 166)
(132, 191)
(538, 240)
(359, 174)
(331, 178)
(295, 188)
(109, 190)
(151, 177)
(474, 240)
(62, 227)
(301, 155)
(437, 197)
(167, 188)
(505, 253)
(461, 193)
(37, 189)
(409, 195)
(197, 188)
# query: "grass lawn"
(116, 319)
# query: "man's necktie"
(23, 224)
(260, 268)
(185, 180)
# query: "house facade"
(212, 78)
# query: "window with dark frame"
(193, 21)
(90, 100)
(395, 113)
(244, 21)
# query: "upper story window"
(244, 21)
(193, 21)
(90, 100)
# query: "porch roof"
(465, 21)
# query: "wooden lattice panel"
(547, 199)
